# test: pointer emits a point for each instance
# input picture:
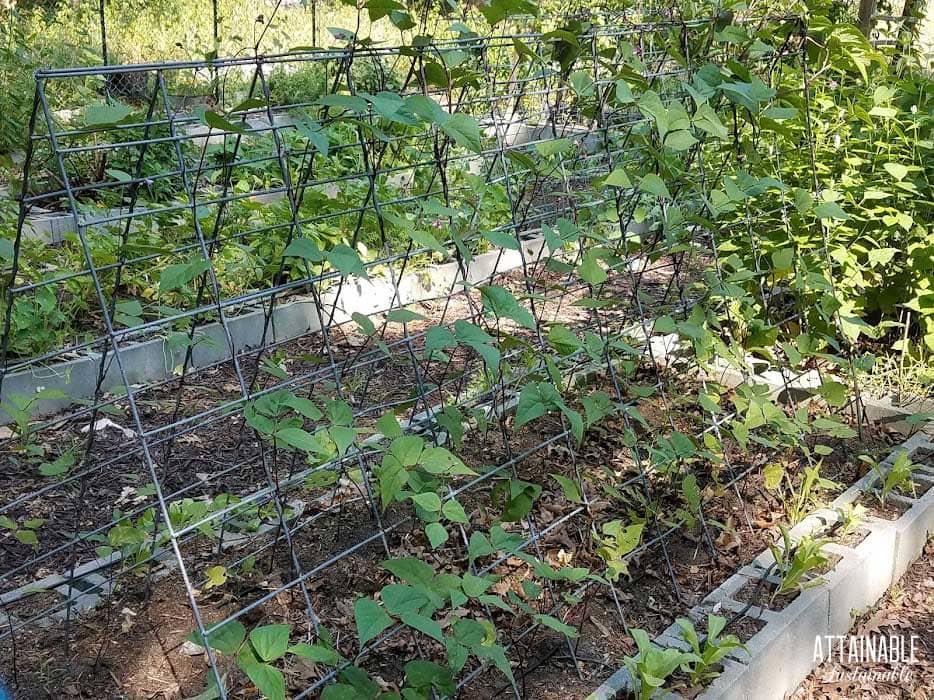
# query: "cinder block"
(878, 551)
(781, 652)
(911, 533)
(847, 591)
(724, 686)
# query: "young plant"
(415, 472)
(21, 410)
(799, 499)
(25, 532)
(851, 515)
(897, 479)
(794, 562)
(713, 649)
(651, 666)
(617, 542)
(256, 655)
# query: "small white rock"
(189, 648)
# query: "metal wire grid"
(275, 476)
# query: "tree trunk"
(867, 8)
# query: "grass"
(906, 377)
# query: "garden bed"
(649, 600)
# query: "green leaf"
(582, 83)
(706, 119)
(557, 625)
(896, 170)
(402, 20)
(665, 324)
(298, 438)
(916, 418)
(454, 511)
(364, 322)
(410, 570)
(624, 93)
(618, 178)
(407, 449)
(216, 575)
(553, 146)
(437, 534)
(107, 114)
(830, 210)
(227, 639)
(304, 248)
(783, 259)
(301, 405)
(316, 136)
(773, 475)
(653, 184)
(389, 426)
(476, 586)
(429, 501)
(590, 270)
(426, 675)
(59, 466)
(216, 121)
(399, 598)
(270, 641)
(346, 260)
(351, 103)
(370, 618)
(680, 140)
(423, 624)
(424, 239)
(317, 653)
(563, 340)
(119, 175)
(478, 340)
(178, 275)
(464, 130)
(339, 412)
(501, 302)
(403, 316)
(27, 537)
(570, 488)
(343, 438)
(834, 393)
(479, 546)
(748, 95)
(497, 655)
(267, 679)
(531, 405)
(502, 239)
(691, 491)
(378, 9)
(496, 11)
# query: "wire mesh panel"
(337, 323)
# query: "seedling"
(652, 666)
(851, 515)
(713, 649)
(256, 655)
(21, 410)
(25, 532)
(794, 562)
(897, 479)
(616, 543)
(797, 500)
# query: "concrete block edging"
(780, 655)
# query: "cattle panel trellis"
(271, 315)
